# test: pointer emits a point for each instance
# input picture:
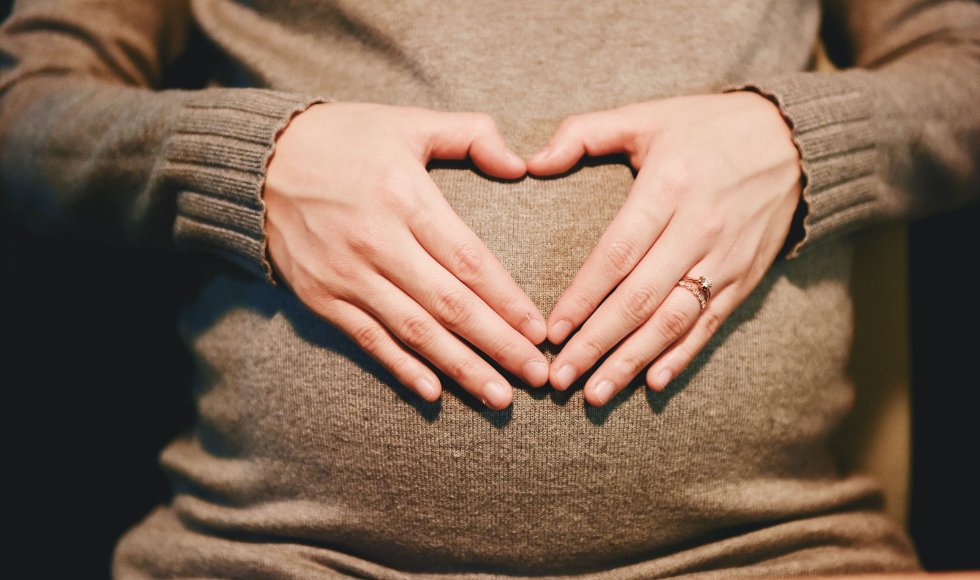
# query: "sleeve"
(896, 135)
(90, 145)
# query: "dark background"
(95, 382)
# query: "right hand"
(362, 235)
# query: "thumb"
(458, 135)
(593, 134)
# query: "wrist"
(783, 137)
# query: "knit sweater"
(308, 460)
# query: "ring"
(701, 288)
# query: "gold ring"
(701, 288)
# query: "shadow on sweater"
(232, 290)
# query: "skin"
(717, 185)
(351, 216)
(358, 230)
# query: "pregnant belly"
(304, 438)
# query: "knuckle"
(465, 261)
(680, 177)
(369, 337)
(742, 287)
(622, 255)
(682, 357)
(364, 241)
(571, 124)
(319, 285)
(342, 266)
(397, 193)
(710, 226)
(317, 300)
(632, 121)
(569, 128)
(416, 331)
(584, 302)
(710, 322)
(503, 351)
(460, 369)
(389, 183)
(347, 285)
(673, 321)
(310, 290)
(452, 308)
(638, 302)
(400, 361)
(591, 348)
(507, 305)
(629, 363)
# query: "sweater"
(308, 460)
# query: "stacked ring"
(701, 288)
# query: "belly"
(301, 436)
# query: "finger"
(672, 319)
(459, 309)
(627, 239)
(375, 339)
(629, 306)
(679, 355)
(458, 135)
(441, 232)
(601, 133)
(418, 330)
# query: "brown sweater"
(308, 460)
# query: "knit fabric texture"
(308, 460)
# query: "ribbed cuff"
(831, 120)
(216, 156)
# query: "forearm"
(79, 156)
(89, 146)
(898, 134)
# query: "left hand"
(718, 183)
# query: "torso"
(304, 440)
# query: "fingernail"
(565, 376)
(535, 373)
(662, 379)
(426, 389)
(496, 395)
(560, 331)
(514, 157)
(604, 391)
(533, 327)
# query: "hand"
(717, 185)
(365, 239)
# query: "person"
(383, 297)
